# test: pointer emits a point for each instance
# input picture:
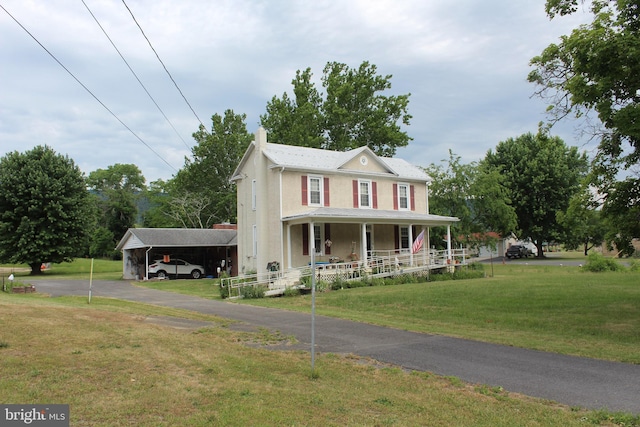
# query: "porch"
(379, 264)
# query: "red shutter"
(396, 237)
(305, 198)
(413, 198)
(395, 197)
(305, 239)
(374, 190)
(355, 194)
(326, 192)
(327, 236)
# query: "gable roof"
(320, 160)
(136, 238)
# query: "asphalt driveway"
(573, 381)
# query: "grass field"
(113, 367)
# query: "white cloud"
(464, 62)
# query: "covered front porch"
(347, 244)
(363, 235)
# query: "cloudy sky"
(465, 63)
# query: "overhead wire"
(87, 89)
(163, 66)
(135, 75)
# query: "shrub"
(475, 266)
(306, 281)
(322, 286)
(291, 292)
(460, 274)
(337, 283)
(598, 263)
(377, 281)
(224, 291)
(253, 291)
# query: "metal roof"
(177, 237)
(326, 160)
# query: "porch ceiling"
(369, 216)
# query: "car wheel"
(162, 274)
(196, 274)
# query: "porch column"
(288, 245)
(449, 242)
(428, 244)
(411, 245)
(363, 243)
(425, 246)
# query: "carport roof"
(136, 238)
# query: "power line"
(87, 89)
(163, 66)
(136, 76)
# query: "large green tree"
(116, 190)
(297, 120)
(202, 193)
(352, 113)
(594, 72)
(582, 222)
(44, 208)
(474, 194)
(158, 212)
(541, 174)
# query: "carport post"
(146, 263)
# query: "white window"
(404, 239)
(253, 195)
(403, 196)
(364, 193)
(315, 190)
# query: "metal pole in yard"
(313, 309)
(90, 280)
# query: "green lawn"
(79, 268)
(113, 367)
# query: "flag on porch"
(417, 244)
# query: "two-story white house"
(346, 207)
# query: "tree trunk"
(35, 268)
(539, 246)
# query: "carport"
(212, 248)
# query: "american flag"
(417, 244)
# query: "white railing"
(379, 264)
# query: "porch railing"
(379, 264)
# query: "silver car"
(176, 268)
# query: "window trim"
(407, 196)
(320, 191)
(369, 184)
